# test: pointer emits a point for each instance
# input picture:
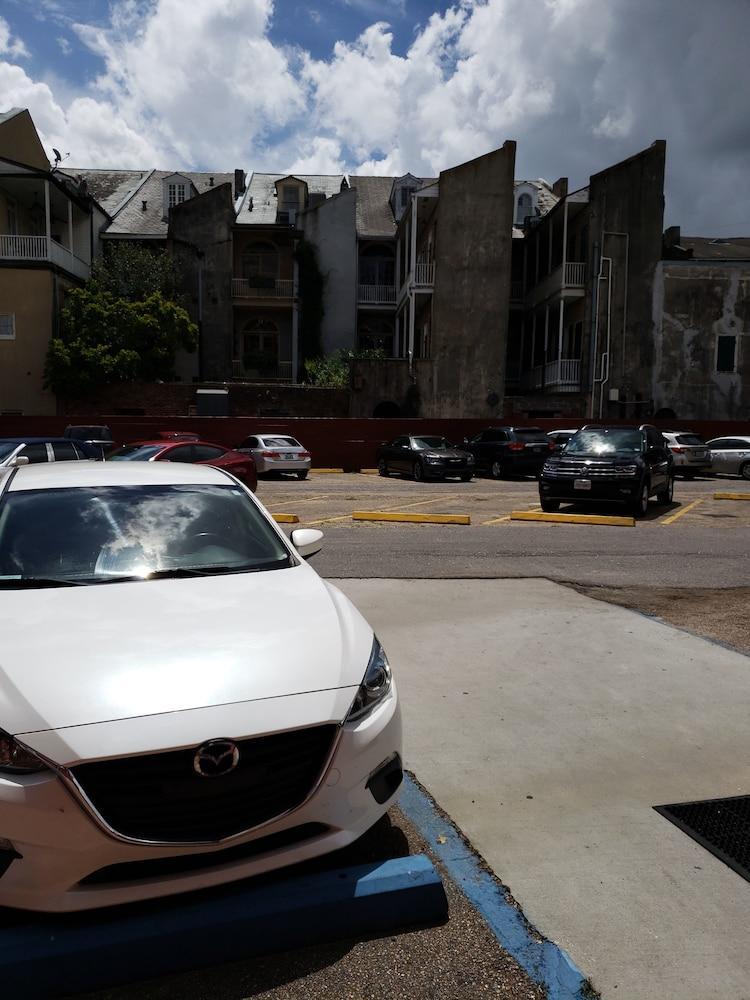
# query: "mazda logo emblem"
(215, 758)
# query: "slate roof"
(374, 215)
(717, 248)
(261, 194)
(109, 187)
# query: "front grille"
(160, 797)
(582, 470)
(185, 864)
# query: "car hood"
(80, 655)
(609, 456)
(446, 452)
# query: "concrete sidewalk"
(548, 725)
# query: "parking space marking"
(507, 517)
(401, 506)
(671, 518)
(289, 503)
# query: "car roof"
(68, 475)
(171, 443)
(730, 437)
(37, 440)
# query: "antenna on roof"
(58, 157)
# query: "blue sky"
(387, 86)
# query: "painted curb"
(60, 954)
(387, 515)
(337, 471)
(285, 518)
(533, 515)
(731, 496)
(543, 960)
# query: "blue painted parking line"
(61, 954)
(543, 960)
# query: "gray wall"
(200, 235)
(331, 227)
(472, 288)
(695, 302)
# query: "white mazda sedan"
(183, 700)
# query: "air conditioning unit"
(614, 395)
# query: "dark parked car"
(197, 452)
(425, 457)
(98, 436)
(625, 465)
(44, 449)
(510, 451)
(558, 439)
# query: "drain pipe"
(626, 237)
(412, 275)
(605, 356)
(596, 361)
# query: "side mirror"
(307, 541)
(465, 442)
(18, 461)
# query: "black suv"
(509, 451)
(624, 465)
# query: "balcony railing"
(261, 288)
(424, 274)
(563, 375)
(377, 295)
(280, 372)
(516, 291)
(575, 274)
(37, 248)
(567, 280)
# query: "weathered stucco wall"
(31, 295)
(386, 387)
(694, 303)
(331, 227)
(472, 287)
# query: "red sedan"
(198, 452)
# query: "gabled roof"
(125, 191)
(17, 131)
(259, 204)
(374, 213)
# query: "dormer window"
(175, 189)
(524, 209)
(177, 194)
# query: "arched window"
(260, 347)
(524, 208)
(376, 265)
(260, 264)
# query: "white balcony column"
(560, 330)
(411, 330)
(47, 214)
(550, 241)
(533, 341)
(536, 256)
(70, 226)
(413, 232)
(397, 282)
(295, 323)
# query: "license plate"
(581, 484)
(289, 454)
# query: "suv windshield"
(605, 441)
(431, 443)
(86, 535)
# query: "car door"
(720, 454)
(478, 446)
(737, 453)
(659, 460)
(209, 454)
(180, 453)
(399, 455)
(65, 451)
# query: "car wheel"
(550, 506)
(382, 467)
(665, 497)
(418, 472)
(745, 470)
(689, 474)
(497, 470)
(302, 474)
(467, 477)
(640, 505)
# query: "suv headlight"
(375, 685)
(469, 458)
(15, 758)
(627, 470)
(434, 458)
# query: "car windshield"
(6, 447)
(134, 453)
(604, 441)
(109, 534)
(430, 443)
(688, 439)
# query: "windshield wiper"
(185, 572)
(34, 582)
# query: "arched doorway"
(387, 408)
(259, 344)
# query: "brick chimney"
(671, 237)
(239, 182)
(560, 187)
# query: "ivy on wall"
(311, 288)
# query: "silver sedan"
(731, 455)
(277, 453)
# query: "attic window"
(177, 193)
(405, 192)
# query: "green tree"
(333, 370)
(130, 271)
(311, 287)
(105, 339)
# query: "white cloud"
(578, 83)
(65, 47)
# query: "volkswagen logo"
(215, 758)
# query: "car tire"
(466, 477)
(745, 470)
(302, 474)
(382, 467)
(418, 472)
(497, 470)
(550, 506)
(689, 474)
(640, 504)
(665, 497)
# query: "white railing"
(40, 248)
(252, 288)
(575, 274)
(565, 374)
(424, 274)
(383, 295)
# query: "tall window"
(377, 266)
(260, 347)
(12, 219)
(177, 194)
(290, 198)
(8, 326)
(376, 334)
(726, 353)
(525, 208)
(260, 264)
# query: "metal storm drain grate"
(722, 826)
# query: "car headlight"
(375, 685)
(469, 459)
(549, 467)
(434, 458)
(15, 758)
(627, 470)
